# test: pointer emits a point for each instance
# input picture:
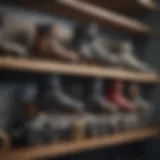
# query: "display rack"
(44, 66)
(79, 146)
(83, 11)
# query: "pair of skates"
(82, 44)
(93, 47)
(101, 115)
(64, 117)
(21, 38)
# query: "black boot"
(97, 102)
(54, 98)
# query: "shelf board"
(149, 4)
(79, 146)
(86, 12)
(45, 66)
(127, 7)
(105, 17)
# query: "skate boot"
(55, 99)
(130, 61)
(97, 102)
(88, 44)
(115, 95)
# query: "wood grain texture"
(106, 17)
(78, 146)
(45, 66)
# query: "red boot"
(115, 95)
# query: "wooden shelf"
(104, 16)
(149, 4)
(86, 12)
(78, 146)
(44, 66)
(127, 7)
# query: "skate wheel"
(5, 142)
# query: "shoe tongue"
(54, 82)
(127, 47)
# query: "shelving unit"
(43, 66)
(79, 146)
(87, 12)
(109, 18)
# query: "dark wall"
(152, 55)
